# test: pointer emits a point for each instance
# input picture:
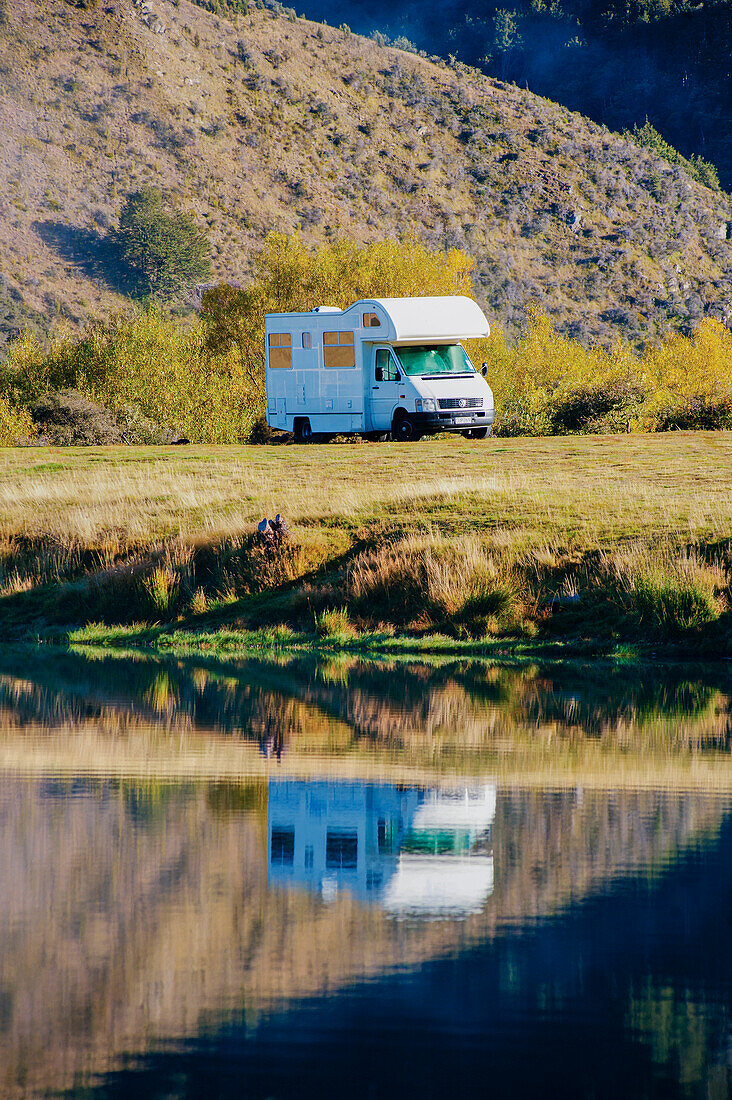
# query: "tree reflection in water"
(444, 707)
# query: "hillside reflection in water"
(292, 935)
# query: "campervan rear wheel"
(302, 430)
(475, 433)
(403, 429)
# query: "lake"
(280, 878)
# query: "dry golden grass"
(530, 493)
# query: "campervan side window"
(339, 350)
(306, 340)
(371, 320)
(341, 849)
(386, 368)
(280, 350)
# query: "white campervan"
(384, 365)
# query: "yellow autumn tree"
(689, 379)
(547, 382)
(292, 276)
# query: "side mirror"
(379, 374)
(397, 377)
(484, 370)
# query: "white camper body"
(382, 365)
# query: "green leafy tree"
(163, 251)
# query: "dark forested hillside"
(618, 61)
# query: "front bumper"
(455, 420)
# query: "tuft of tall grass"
(669, 592)
(429, 581)
(163, 590)
(334, 624)
(199, 602)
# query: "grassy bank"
(588, 540)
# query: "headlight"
(424, 404)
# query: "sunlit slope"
(274, 122)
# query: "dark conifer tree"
(163, 250)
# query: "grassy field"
(583, 490)
(402, 536)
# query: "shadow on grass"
(116, 606)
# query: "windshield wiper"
(449, 374)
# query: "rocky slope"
(269, 122)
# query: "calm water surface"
(290, 879)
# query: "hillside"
(618, 62)
(269, 122)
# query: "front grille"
(459, 402)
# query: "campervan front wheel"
(302, 430)
(403, 428)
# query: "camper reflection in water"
(413, 851)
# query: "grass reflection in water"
(212, 716)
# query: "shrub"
(16, 425)
(70, 419)
(689, 379)
(548, 383)
(149, 371)
(137, 429)
(586, 407)
(697, 412)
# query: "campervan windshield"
(429, 359)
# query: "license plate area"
(463, 419)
